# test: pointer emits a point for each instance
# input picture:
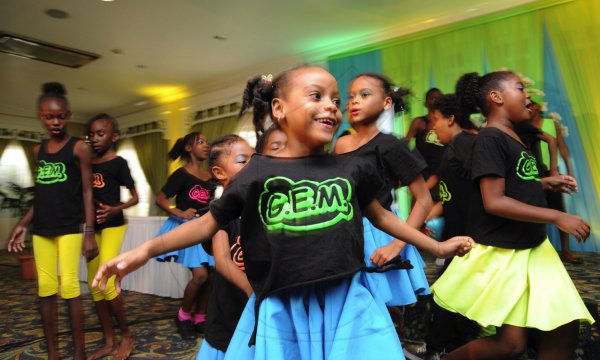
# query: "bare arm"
(551, 141)
(394, 226)
(225, 266)
(82, 152)
(183, 236)
(497, 203)
(416, 125)
(416, 218)
(16, 243)
(105, 212)
(163, 202)
(563, 149)
(436, 211)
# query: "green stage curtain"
(216, 128)
(441, 56)
(152, 150)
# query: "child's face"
(54, 116)
(101, 136)
(366, 100)
(230, 164)
(308, 109)
(431, 98)
(441, 126)
(275, 143)
(517, 101)
(200, 148)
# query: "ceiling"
(153, 50)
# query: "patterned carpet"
(21, 335)
(151, 318)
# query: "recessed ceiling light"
(108, 0)
(429, 21)
(220, 37)
(140, 103)
(141, 66)
(184, 108)
(116, 51)
(57, 14)
(471, 9)
(165, 112)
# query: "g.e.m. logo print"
(527, 167)
(305, 205)
(50, 172)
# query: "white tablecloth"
(157, 278)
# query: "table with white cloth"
(158, 278)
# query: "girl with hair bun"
(193, 188)
(301, 234)
(63, 201)
(513, 279)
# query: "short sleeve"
(231, 203)
(403, 163)
(489, 156)
(125, 178)
(174, 184)
(368, 183)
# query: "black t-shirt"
(529, 135)
(301, 218)
(227, 301)
(189, 191)
(428, 145)
(455, 185)
(108, 177)
(497, 154)
(58, 202)
(396, 164)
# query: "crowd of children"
(308, 247)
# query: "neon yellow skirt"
(524, 288)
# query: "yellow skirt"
(524, 288)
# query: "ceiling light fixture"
(220, 37)
(39, 50)
(57, 13)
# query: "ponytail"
(178, 149)
(53, 90)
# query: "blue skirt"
(333, 320)
(208, 352)
(396, 287)
(190, 257)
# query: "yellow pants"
(109, 242)
(52, 252)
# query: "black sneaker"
(185, 328)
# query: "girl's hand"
(562, 183)
(17, 239)
(573, 225)
(104, 212)
(386, 253)
(456, 246)
(188, 214)
(89, 248)
(120, 266)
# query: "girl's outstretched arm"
(225, 266)
(396, 227)
(497, 203)
(183, 236)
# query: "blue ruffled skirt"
(332, 320)
(190, 257)
(396, 287)
(208, 352)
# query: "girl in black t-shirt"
(230, 288)
(513, 279)
(369, 95)
(301, 233)
(110, 172)
(193, 188)
(63, 200)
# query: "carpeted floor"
(151, 317)
(21, 336)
